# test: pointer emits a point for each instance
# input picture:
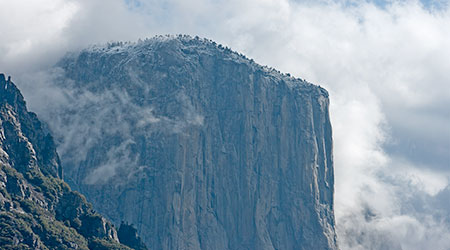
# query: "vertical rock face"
(198, 146)
(37, 209)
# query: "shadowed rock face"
(37, 209)
(199, 147)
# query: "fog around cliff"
(385, 65)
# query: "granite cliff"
(196, 145)
(37, 209)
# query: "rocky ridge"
(37, 209)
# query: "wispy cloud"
(386, 67)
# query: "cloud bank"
(386, 67)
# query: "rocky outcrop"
(198, 146)
(37, 209)
(128, 235)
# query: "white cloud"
(30, 28)
(386, 70)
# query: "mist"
(385, 65)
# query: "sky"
(385, 63)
